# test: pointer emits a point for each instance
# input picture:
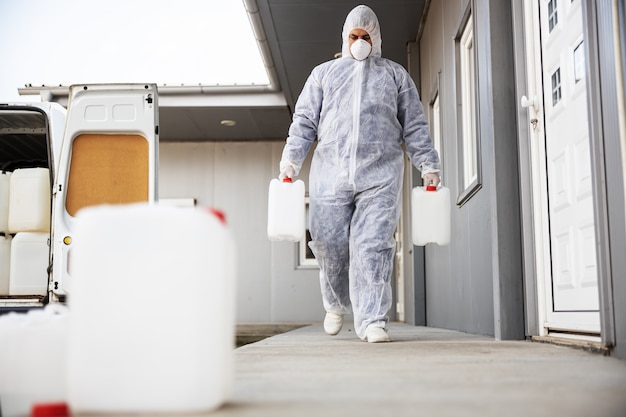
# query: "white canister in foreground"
(153, 308)
(32, 359)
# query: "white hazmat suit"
(361, 112)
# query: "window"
(469, 171)
(579, 62)
(435, 122)
(305, 254)
(553, 16)
(468, 105)
(436, 125)
(556, 86)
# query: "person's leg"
(330, 230)
(372, 247)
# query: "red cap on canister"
(50, 410)
(431, 188)
(287, 179)
(217, 213)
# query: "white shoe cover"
(375, 334)
(333, 323)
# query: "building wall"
(459, 292)
(475, 283)
(234, 177)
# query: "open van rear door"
(30, 142)
(109, 155)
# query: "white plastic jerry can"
(29, 200)
(431, 215)
(286, 210)
(32, 359)
(5, 264)
(4, 201)
(133, 347)
(28, 269)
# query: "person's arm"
(416, 135)
(303, 129)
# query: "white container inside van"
(29, 263)
(5, 178)
(29, 200)
(5, 262)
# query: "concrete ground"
(422, 372)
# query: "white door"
(565, 232)
(109, 155)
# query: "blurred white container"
(431, 215)
(33, 346)
(29, 200)
(5, 263)
(5, 181)
(286, 210)
(30, 253)
(153, 310)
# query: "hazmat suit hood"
(362, 17)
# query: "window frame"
(556, 87)
(553, 15)
(578, 56)
(305, 262)
(436, 121)
(470, 169)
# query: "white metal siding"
(234, 177)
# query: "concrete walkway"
(423, 372)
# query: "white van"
(102, 150)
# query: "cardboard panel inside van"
(107, 169)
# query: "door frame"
(534, 204)
(551, 322)
(601, 23)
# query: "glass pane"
(579, 62)
(469, 146)
(553, 17)
(556, 86)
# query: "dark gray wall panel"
(459, 287)
(476, 283)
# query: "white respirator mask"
(360, 49)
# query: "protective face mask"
(360, 49)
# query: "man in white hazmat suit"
(361, 108)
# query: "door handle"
(530, 102)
